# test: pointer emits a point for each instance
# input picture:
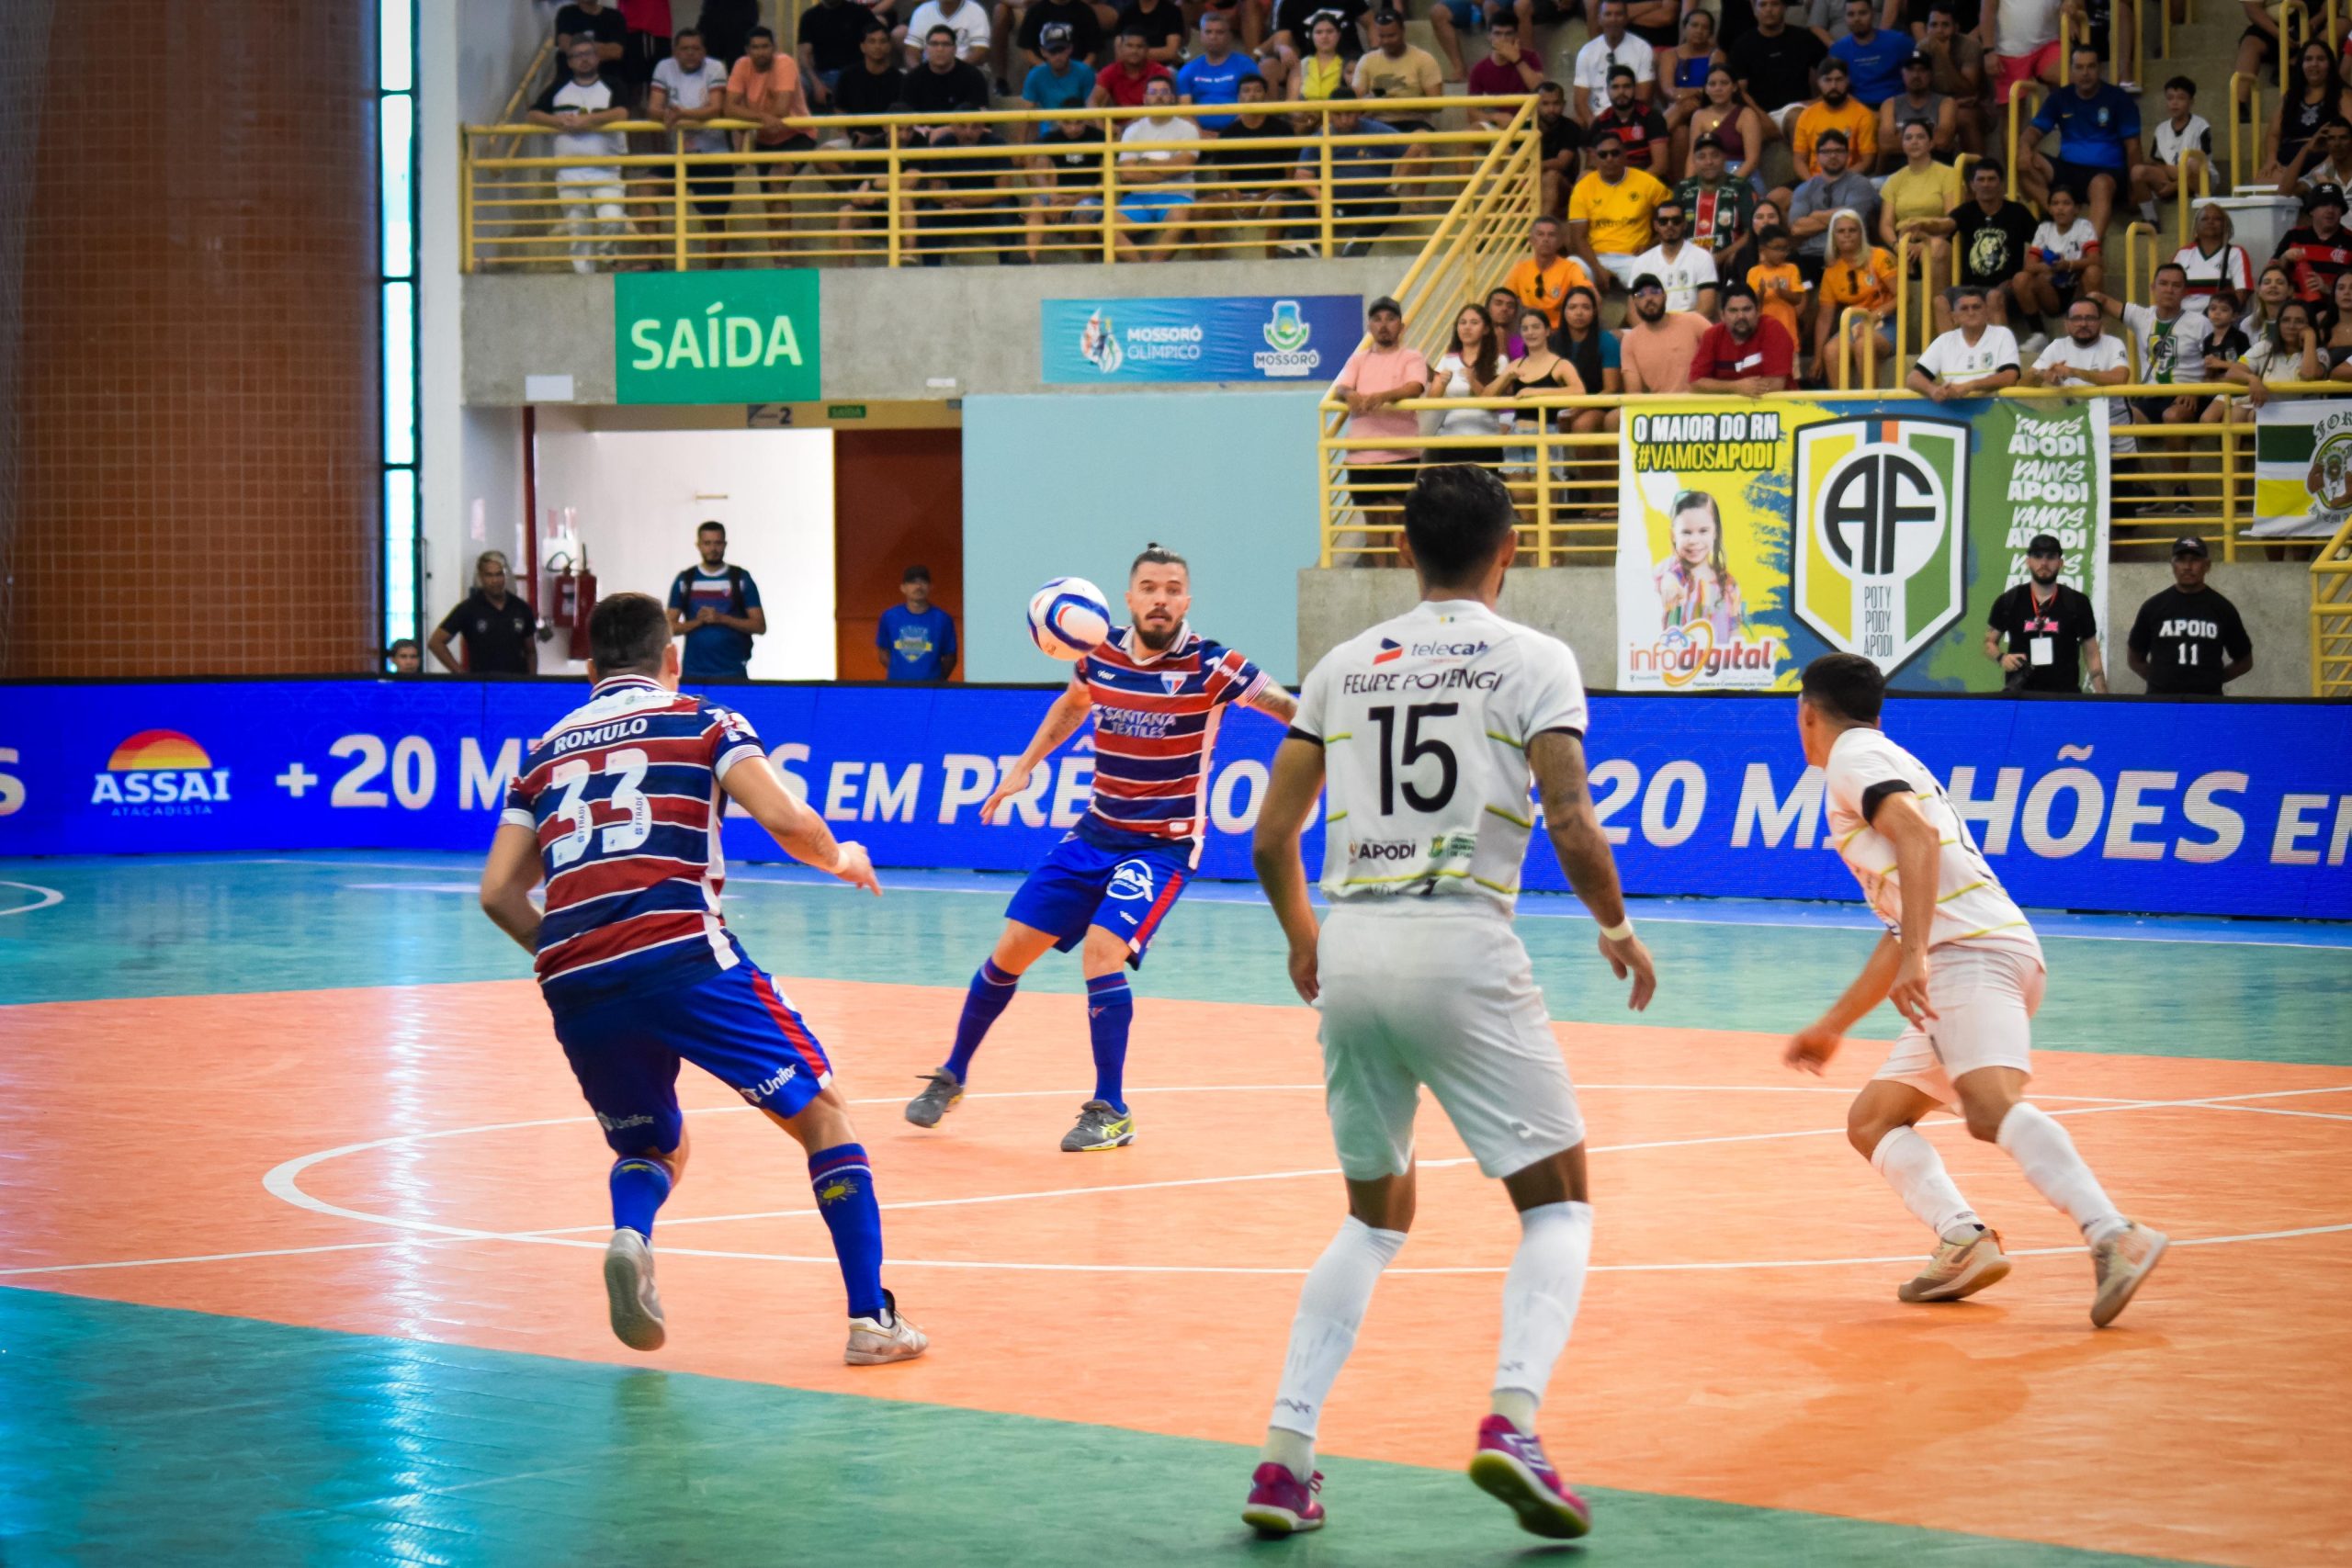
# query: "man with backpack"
(716, 608)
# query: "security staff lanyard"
(2041, 648)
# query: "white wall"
(639, 495)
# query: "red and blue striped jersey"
(1154, 730)
(624, 796)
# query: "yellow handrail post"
(2132, 234)
(1327, 460)
(2229, 480)
(678, 198)
(892, 172)
(2204, 188)
(1323, 195)
(2020, 91)
(1110, 197)
(465, 202)
(1544, 502)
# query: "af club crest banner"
(2303, 474)
(1753, 538)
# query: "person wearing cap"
(1687, 270)
(1744, 354)
(1609, 212)
(1542, 279)
(1082, 26)
(2042, 631)
(1917, 104)
(1660, 344)
(1062, 81)
(2189, 640)
(2318, 250)
(1719, 207)
(2098, 136)
(1377, 377)
(1873, 56)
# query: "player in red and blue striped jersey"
(618, 808)
(1158, 692)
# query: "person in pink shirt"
(1374, 380)
(764, 87)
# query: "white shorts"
(1621, 269)
(1430, 996)
(1984, 999)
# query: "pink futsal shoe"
(1280, 1502)
(1509, 1464)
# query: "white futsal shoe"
(1964, 1263)
(628, 1290)
(886, 1337)
(2120, 1263)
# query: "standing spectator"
(1659, 344)
(1872, 57)
(1374, 381)
(1956, 69)
(405, 657)
(1121, 84)
(1687, 270)
(2023, 38)
(828, 43)
(1975, 358)
(2318, 250)
(1917, 104)
(2042, 632)
(1081, 26)
(1474, 366)
(1834, 113)
(579, 108)
(1636, 123)
(1608, 49)
(2082, 355)
(1774, 66)
(1062, 81)
(916, 640)
(1820, 198)
(715, 607)
(647, 44)
(1214, 76)
(1542, 278)
(764, 87)
(2189, 640)
(1780, 284)
(967, 19)
(2184, 143)
(967, 204)
(1561, 139)
(2170, 340)
(500, 629)
(1510, 68)
(1719, 207)
(2099, 134)
(689, 90)
(1744, 354)
(601, 25)
(1609, 211)
(1991, 233)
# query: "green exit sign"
(844, 411)
(716, 337)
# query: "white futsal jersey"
(1425, 722)
(1972, 908)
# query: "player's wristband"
(840, 856)
(1619, 931)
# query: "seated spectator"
(1608, 48)
(1635, 123)
(1857, 275)
(689, 89)
(1560, 138)
(1834, 113)
(1214, 75)
(1654, 22)
(578, 109)
(764, 87)
(1609, 210)
(1156, 185)
(2225, 340)
(2171, 342)
(1473, 366)
(2022, 37)
(1817, 198)
(1687, 270)
(2286, 353)
(1732, 127)
(499, 628)
(1682, 71)
(2081, 356)
(1062, 81)
(1245, 20)
(1721, 208)
(1744, 354)
(1082, 28)
(2098, 133)
(967, 19)
(1378, 375)
(1070, 160)
(1121, 84)
(1542, 278)
(2316, 96)
(1660, 344)
(2061, 262)
(1917, 203)
(2325, 160)
(1510, 68)
(1291, 38)
(1781, 293)
(1747, 253)
(1991, 233)
(967, 204)
(1975, 358)
(1449, 19)
(1542, 372)
(1363, 196)
(1323, 71)
(875, 84)
(1917, 104)
(2184, 143)
(601, 25)
(1244, 179)
(1395, 69)
(1591, 353)
(1161, 22)
(827, 43)
(1956, 69)
(2318, 250)
(1773, 65)
(2189, 640)
(942, 84)
(1503, 310)
(404, 656)
(1872, 57)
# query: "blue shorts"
(1466, 13)
(1140, 209)
(1128, 892)
(736, 1026)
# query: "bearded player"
(1158, 691)
(1964, 969)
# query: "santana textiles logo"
(160, 772)
(1882, 506)
(716, 337)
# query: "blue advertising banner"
(1252, 338)
(2239, 808)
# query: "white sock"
(2043, 1150)
(1915, 1171)
(1330, 1309)
(1540, 1297)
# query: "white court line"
(50, 897)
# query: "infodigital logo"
(160, 772)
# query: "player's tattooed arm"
(1062, 722)
(507, 878)
(1290, 801)
(1277, 704)
(1556, 756)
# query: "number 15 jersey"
(1425, 722)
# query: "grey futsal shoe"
(926, 1108)
(1964, 1263)
(2120, 1263)
(1100, 1128)
(628, 1290)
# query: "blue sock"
(991, 990)
(844, 1185)
(1110, 1007)
(639, 1188)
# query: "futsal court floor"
(303, 1215)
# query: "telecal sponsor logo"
(160, 772)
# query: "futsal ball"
(1068, 619)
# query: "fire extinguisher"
(575, 596)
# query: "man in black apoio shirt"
(2047, 627)
(500, 629)
(2189, 640)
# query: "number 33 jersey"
(1425, 722)
(623, 795)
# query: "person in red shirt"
(1120, 84)
(2321, 250)
(1744, 354)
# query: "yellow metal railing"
(2029, 94)
(902, 197)
(2332, 616)
(2126, 57)
(2242, 168)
